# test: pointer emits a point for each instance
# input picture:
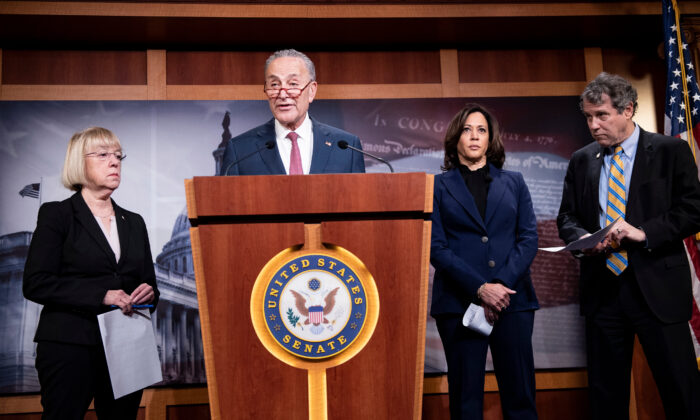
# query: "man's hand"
(600, 248)
(623, 230)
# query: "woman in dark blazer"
(87, 255)
(484, 238)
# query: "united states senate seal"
(317, 304)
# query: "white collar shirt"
(305, 142)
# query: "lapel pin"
(597, 155)
(328, 143)
(123, 218)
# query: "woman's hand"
(491, 315)
(118, 298)
(496, 296)
(142, 294)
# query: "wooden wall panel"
(570, 404)
(436, 407)
(34, 67)
(646, 69)
(381, 2)
(215, 68)
(156, 70)
(377, 67)
(188, 412)
(337, 67)
(484, 66)
(90, 415)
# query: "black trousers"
(610, 332)
(513, 363)
(72, 375)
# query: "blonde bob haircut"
(88, 140)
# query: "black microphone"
(344, 145)
(269, 145)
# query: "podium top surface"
(308, 195)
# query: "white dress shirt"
(305, 142)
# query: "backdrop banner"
(168, 141)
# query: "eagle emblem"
(315, 306)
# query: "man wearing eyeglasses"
(292, 142)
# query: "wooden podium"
(241, 223)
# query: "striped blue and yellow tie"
(617, 201)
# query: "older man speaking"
(292, 142)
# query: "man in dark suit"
(637, 281)
(292, 142)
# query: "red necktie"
(295, 157)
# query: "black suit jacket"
(70, 268)
(663, 200)
(327, 157)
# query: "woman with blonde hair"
(87, 255)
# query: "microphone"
(269, 145)
(344, 145)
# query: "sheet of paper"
(130, 348)
(583, 243)
(475, 319)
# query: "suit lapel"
(323, 144)
(593, 183)
(455, 186)
(640, 171)
(122, 230)
(271, 157)
(496, 189)
(85, 217)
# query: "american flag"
(682, 118)
(31, 190)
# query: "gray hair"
(620, 91)
(296, 54)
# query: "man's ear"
(628, 112)
(312, 91)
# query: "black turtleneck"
(478, 185)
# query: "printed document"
(130, 348)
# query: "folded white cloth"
(475, 319)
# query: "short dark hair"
(620, 91)
(495, 153)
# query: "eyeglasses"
(274, 92)
(106, 155)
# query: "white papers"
(475, 319)
(584, 243)
(130, 348)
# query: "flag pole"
(684, 81)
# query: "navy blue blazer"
(468, 251)
(327, 156)
(71, 266)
